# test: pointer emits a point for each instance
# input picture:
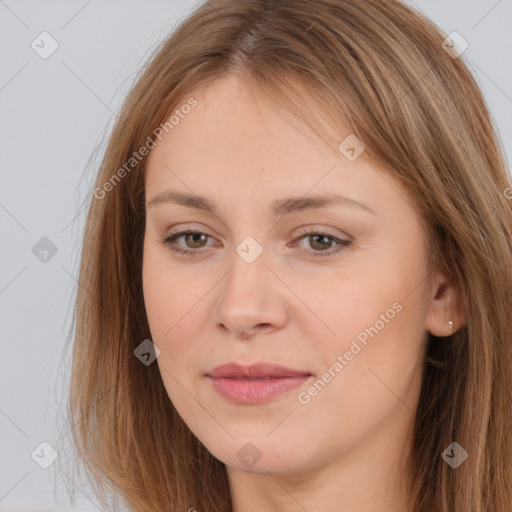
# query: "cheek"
(169, 296)
(374, 321)
(175, 316)
(173, 307)
(371, 367)
(177, 312)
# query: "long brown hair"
(381, 69)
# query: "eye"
(197, 240)
(320, 240)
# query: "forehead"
(236, 144)
(234, 133)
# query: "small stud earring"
(450, 325)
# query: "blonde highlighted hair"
(379, 68)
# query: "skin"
(346, 449)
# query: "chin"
(260, 455)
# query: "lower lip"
(256, 391)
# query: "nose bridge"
(250, 260)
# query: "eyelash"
(167, 241)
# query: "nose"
(251, 299)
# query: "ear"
(444, 306)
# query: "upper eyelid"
(311, 228)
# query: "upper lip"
(257, 370)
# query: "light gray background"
(54, 114)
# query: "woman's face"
(337, 292)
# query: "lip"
(255, 383)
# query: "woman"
(297, 272)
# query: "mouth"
(256, 383)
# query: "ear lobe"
(445, 314)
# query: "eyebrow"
(280, 206)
